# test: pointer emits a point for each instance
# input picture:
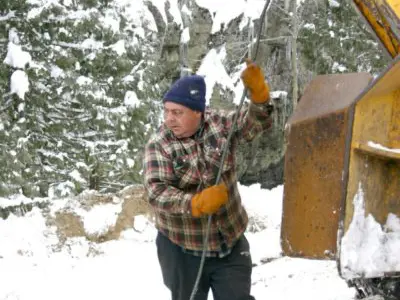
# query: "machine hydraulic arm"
(383, 17)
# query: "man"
(180, 169)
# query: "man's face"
(182, 121)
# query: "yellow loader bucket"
(314, 163)
(372, 174)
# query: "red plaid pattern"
(175, 169)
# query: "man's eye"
(177, 113)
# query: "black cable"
(224, 152)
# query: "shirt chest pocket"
(186, 170)
(202, 166)
(213, 152)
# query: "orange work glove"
(209, 200)
(253, 80)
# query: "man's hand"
(253, 80)
(209, 200)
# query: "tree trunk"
(295, 30)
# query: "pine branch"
(7, 104)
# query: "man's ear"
(197, 113)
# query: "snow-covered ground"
(128, 268)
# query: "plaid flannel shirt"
(176, 169)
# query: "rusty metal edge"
(346, 163)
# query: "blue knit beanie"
(189, 91)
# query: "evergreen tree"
(334, 39)
(81, 124)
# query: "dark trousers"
(229, 277)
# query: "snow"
(185, 37)
(131, 99)
(14, 200)
(56, 72)
(309, 26)
(368, 249)
(380, 147)
(33, 266)
(175, 12)
(8, 16)
(185, 10)
(76, 176)
(19, 83)
(91, 44)
(16, 57)
(279, 94)
(214, 72)
(24, 237)
(338, 67)
(111, 20)
(63, 189)
(83, 80)
(160, 5)
(221, 14)
(139, 8)
(100, 218)
(119, 47)
(334, 3)
(223, 11)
